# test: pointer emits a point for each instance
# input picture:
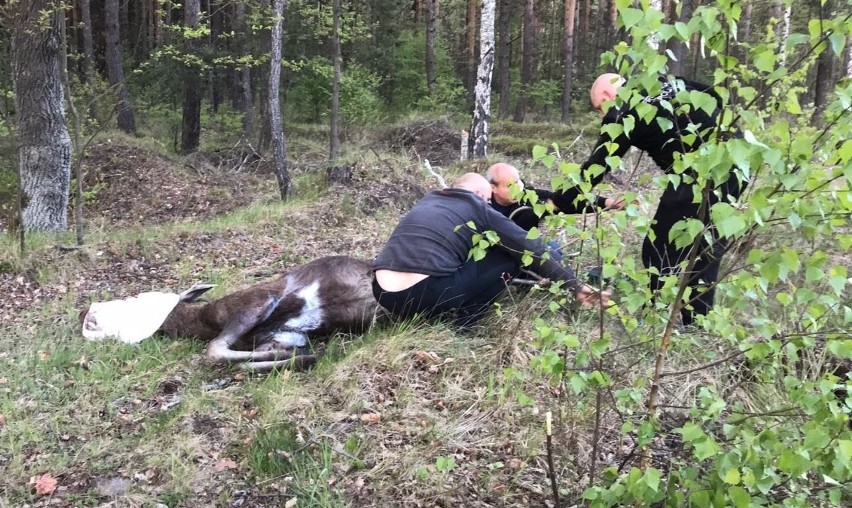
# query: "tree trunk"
(744, 32)
(44, 146)
(334, 135)
(470, 50)
(785, 34)
(191, 125)
(429, 12)
(246, 101)
(504, 54)
(848, 57)
(278, 146)
(88, 56)
(482, 109)
(824, 71)
(568, 58)
(677, 65)
(527, 60)
(115, 69)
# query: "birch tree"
(278, 146)
(482, 103)
(44, 146)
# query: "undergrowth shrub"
(749, 407)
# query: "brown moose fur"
(248, 318)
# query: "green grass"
(459, 415)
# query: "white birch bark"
(482, 91)
(44, 149)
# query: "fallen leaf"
(44, 484)
(224, 464)
(291, 503)
(370, 418)
(427, 357)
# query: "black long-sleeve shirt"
(529, 219)
(667, 133)
(428, 241)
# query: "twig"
(437, 176)
(551, 471)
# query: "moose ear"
(194, 293)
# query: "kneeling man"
(425, 268)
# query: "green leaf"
(727, 220)
(652, 479)
(538, 152)
(740, 497)
(631, 16)
(706, 448)
(533, 233)
(765, 60)
(793, 463)
(732, 476)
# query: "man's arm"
(568, 199)
(513, 239)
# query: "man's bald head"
(501, 176)
(605, 88)
(475, 183)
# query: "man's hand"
(590, 297)
(617, 203)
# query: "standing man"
(425, 266)
(674, 129)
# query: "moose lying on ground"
(266, 325)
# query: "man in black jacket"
(425, 269)
(503, 177)
(674, 129)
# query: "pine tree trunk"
(246, 101)
(44, 151)
(429, 12)
(482, 109)
(470, 49)
(527, 60)
(504, 55)
(824, 71)
(568, 58)
(191, 125)
(88, 56)
(334, 135)
(115, 69)
(677, 66)
(278, 141)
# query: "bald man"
(660, 136)
(424, 267)
(504, 177)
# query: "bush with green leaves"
(309, 97)
(409, 80)
(751, 407)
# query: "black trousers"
(467, 294)
(666, 257)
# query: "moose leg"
(295, 362)
(241, 323)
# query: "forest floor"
(406, 415)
